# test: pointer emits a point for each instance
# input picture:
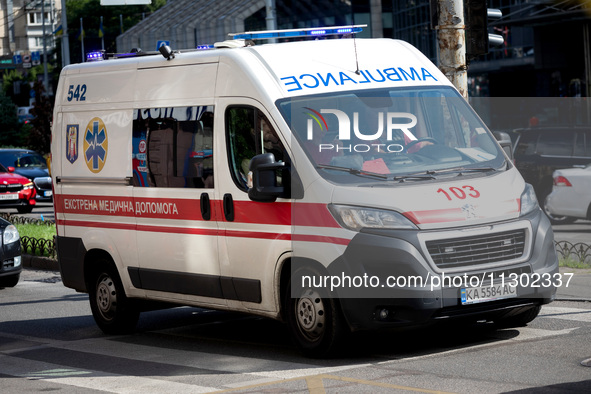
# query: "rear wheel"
(314, 319)
(113, 312)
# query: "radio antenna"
(356, 58)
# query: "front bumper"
(384, 255)
(43, 188)
(10, 260)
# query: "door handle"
(228, 207)
(205, 206)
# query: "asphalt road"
(579, 231)
(49, 342)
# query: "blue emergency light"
(95, 56)
(204, 47)
(293, 33)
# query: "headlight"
(28, 185)
(356, 218)
(10, 235)
(529, 202)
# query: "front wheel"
(9, 281)
(113, 312)
(314, 319)
(26, 209)
(520, 319)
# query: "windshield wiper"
(352, 171)
(414, 177)
(460, 170)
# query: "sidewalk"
(40, 263)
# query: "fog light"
(17, 261)
(384, 314)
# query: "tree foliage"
(91, 11)
(39, 138)
(11, 133)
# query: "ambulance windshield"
(391, 134)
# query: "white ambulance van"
(339, 185)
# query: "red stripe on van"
(458, 214)
(436, 216)
(205, 231)
(279, 213)
(320, 238)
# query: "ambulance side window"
(249, 133)
(173, 147)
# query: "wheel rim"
(106, 297)
(310, 315)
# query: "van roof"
(305, 67)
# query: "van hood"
(450, 202)
(32, 173)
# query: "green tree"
(10, 129)
(91, 11)
(39, 138)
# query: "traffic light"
(476, 18)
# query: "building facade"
(21, 32)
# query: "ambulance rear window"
(173, 147)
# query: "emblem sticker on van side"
(72, 142)
(95, 145)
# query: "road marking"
(95, 380)
(574, 314)
(315, 384)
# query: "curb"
(37, 262)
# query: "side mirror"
(505, 141)
(270, 179)
(10, 169)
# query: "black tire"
(519, 320)
(314, 319)
(113, 312)
(553, 218)
(10, 281)
(26, 209)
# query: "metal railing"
(578, 252)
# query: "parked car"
(24, 114)
(571, 195)
(540, 151)
(10, 255)
(32, 165)
(16, 191)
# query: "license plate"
(47, 193)
(12, 196)
(474, 295)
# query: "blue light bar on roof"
(293, 33)
(95, 56)
(204, 47)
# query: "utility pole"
(271, 17)
(451, 39)
(65, 40)
(45, 75)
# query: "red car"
(16, 191)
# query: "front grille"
(477, 250)
(10, 188)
